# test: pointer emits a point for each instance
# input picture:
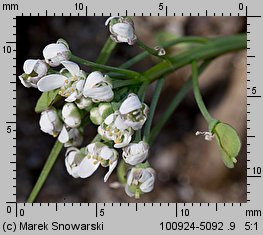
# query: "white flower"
(139, 181)
(113, 128)
(98, 87)
(70, 81)
(55, 53)
(49, 122)
(100, 154)
(71, 115)
(70, 137)
(76, 162)
(34, 70)
(133, 112)
(84, 103)
(98, 114)
(96, 154)
(135, 153)
(122, 29)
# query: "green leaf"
(45, 100)
(228, 142)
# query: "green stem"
(174, 104)
(121, 172)
(126, 72)
(106, 51)
(197, 94)
(150, 50)
(45, 171)
(157, 92)
(211, 49)
(136, 59)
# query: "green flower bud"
(228, 142)
(98, 114)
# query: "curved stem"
(126, 72)
(106, 51)
(45, 171)
(209, 50)
(174, 104)
(197, 94)
(136, 59)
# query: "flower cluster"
(89, 98)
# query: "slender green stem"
(106, 51)
(126, 72)
(174, 104)
(157, 92)
(136, 59)
(211, 49)
(121, 172)
(45, 171)
(150, 50)
(197, 94)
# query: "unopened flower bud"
(122, 29)
(49, 122)
(98, 114)
(135, 153)
(84, 103)
(71, 115)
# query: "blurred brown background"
(189, 169)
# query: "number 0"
(241, 6)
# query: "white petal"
(103, 93)
(53, 50)
(72, 97)
(63, 136)
(45, 124)
(24, 82)
(106, 153)
(111, 168)
(120, 124)
(51, 82)
(93, 79)
(123, 30)
(109, 120)
(148, 185)
(80, 85)
(29, 66)
(72, 67)
(128, 192)
(130, 104)
(110, 18)
(87, 167)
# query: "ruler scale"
(130, 218)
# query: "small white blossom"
(122, 29)
(70, 137)
(83, 165)
(84, 103)
(71, 115)
(70, 81)
(135, 153)
(98, 87)
(139, 181)
(55, 53)
(49, 122)
(113, 128)
(34, 70)
(133, 112)
(76, 162)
